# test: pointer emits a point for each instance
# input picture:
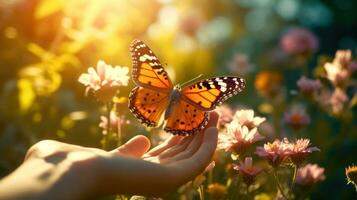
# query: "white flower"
(237, 138)
(105, 80)
(246, 118)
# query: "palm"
(172, 163)
(173, 150)
(131, 168)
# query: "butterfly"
(184, 110)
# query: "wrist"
(60, 176)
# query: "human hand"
(171, 164)
(58, 170)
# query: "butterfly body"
(174, 98)
(184, 110)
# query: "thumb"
(135, 147)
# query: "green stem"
(234, 187)
(201, 192)
(279, 185)
(247, 192)
(106, 136)
(294, 177)
(119, 130)
(210, 176)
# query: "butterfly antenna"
(189, 81)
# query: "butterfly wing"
(147, 70)
(149, 100)
(209, 93)
(186, 119)
(148, 105)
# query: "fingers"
(121, 174)
(194, 165)
(187, 146)
(165, 155)
(135, 147)
(189, 150)
(171, 141)
(181, 146)
(213, 119)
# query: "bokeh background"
(46, 44)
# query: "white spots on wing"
(222, 84)
(211, 84)
(229, 86)
(139, 47)
(145, 57)
(154, 64)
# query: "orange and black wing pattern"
(150, 99)
(209, 93)
(147, 70)
(186, 119)
(148, 105)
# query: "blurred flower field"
(291, 134)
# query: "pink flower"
(299, 41)
(105, 81)
(336, 74)
(274, 152)
(297, 117)
(225, 115)
(237, 138)
(246, 118)
(309, 175)
(338, 100)
(341, 68)
(300, 149)
(248, 171)
(240, 64)
(308, 86)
